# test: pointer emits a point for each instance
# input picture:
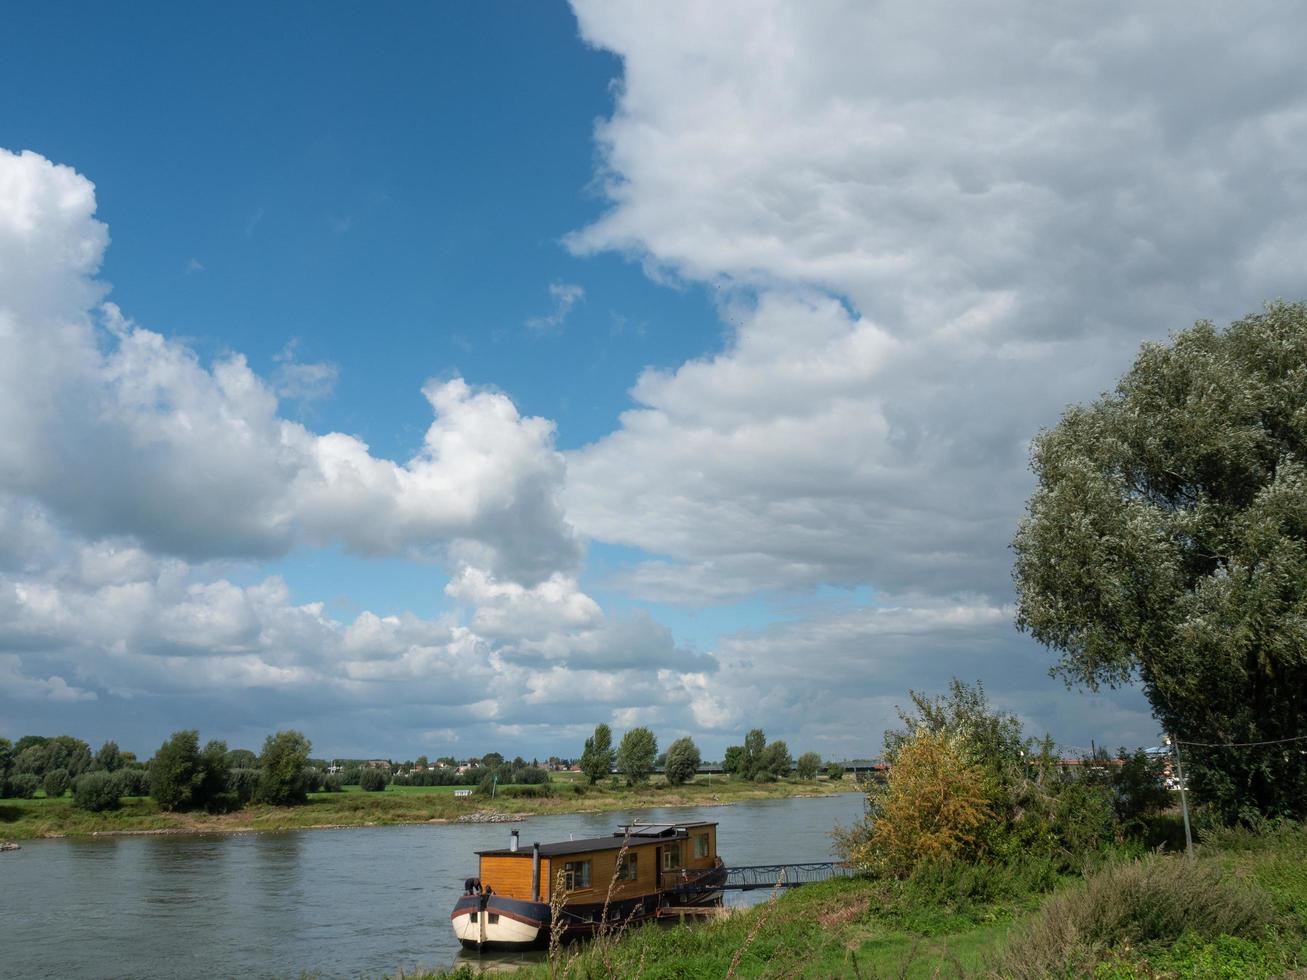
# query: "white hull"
(483, 931)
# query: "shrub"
(56, 783)
(23, 786)
(834, 770)
(372, 780)
(1152, 901)
(763, 776)
(97, 791)
(332, 782)
(931, 810)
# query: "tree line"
(636, 757)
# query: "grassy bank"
(29, 819)
(1239, 911)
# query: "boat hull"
(495, 922)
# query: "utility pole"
(1184, 798)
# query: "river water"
(340, 903)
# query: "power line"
(1244, 745)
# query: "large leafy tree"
(1167, 541)
(597, 757)
(682, 761)
(636, 754)
(282, 768)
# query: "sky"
(446, 378)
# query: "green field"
(28, 819)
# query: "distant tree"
(6, 758)
(808, 765)
(597, 759)
(214, 791)
(492, 760)
(834, 770)
(56, 783)
(421, 762)
(23, 785)
(175, 771)
(636, 754)
(108, 759)
(733, 761)
(282, 764)
(242, 759)
(131, 782)
(60, 752)
(27, 741)
(243, 783)
(754, 744)
(98, 790)
(372, 780)
(776, 759)
(1137, 787)
(682, 761)
(332, 783)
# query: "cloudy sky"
(446, 378)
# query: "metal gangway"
(753, 876)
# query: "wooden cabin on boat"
(648, 866)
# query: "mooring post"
(535, 872)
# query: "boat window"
(474, 917)
(671, 856)
(576, 874)
(626, 869)
(701, 846)
(492, 917)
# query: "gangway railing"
(752, 876)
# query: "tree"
(597, 758)
(808, 766)
(214, 790)
(372, 780)
(175, 772)
(733, 760)
(22, 786)
(636, 754)
(834, 770)
(282, 764)
(492, 760)
(109, 758)
(1167, 540)
(56, 783)
(776, 760)
(6, 758)
(682, 761)
(754, 744)
(39, 755)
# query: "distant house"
(376, 764)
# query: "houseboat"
(631, 876)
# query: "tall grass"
(1150, 902)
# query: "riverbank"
(1239, 910)
(38, 818)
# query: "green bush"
(763, 776)
(333, 782)
(22, 786)
(56, 783)
(132, 782)
(97, 791)
(1154, 901)
(372, 780)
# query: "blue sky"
(480, 372)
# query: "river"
(340, 903)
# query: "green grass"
(39, 817)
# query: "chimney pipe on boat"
(512, 841)
(535, 872)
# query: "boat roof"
(628, 835)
